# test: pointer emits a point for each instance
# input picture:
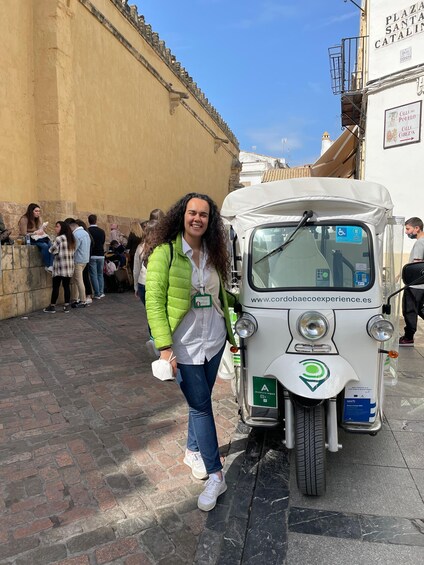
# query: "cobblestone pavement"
(91, 470)
(91, 445)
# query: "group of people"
(75, 255)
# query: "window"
(317, 256)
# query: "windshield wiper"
(307, 214)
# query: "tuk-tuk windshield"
(316, 256)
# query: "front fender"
(322, 376)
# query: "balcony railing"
(347, 65)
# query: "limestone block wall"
(24, 284)
(98, 116)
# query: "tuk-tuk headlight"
(379, 328)
(246, 326)
(312, 325)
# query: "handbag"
(226, 369)
(162, 369)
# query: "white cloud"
(269, 140)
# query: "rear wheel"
(310, 449)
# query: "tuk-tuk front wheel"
(310, 449)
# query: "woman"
(187, 310)
(31, 224)
(134, 239)
(63, 266)
(156, 214)
(86, 272)
(143, 250)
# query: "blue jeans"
(96, 274)
(196, 383)
(44, 246)
(141, 291)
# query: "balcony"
(347, 70)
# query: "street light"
(357, 5)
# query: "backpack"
(109, 268)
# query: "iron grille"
(347, 65)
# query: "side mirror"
(413, 273)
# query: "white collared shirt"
(202, 332)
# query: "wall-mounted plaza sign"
(402, 125)
(402, 24)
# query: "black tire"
(310, 450)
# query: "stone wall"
(98, 116)
(24, 284)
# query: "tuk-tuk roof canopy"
(328, 198)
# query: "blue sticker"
(349, 234)
(361, 278)
(358, 410)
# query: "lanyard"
(200, 273)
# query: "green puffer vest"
(168, 296)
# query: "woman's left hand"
(168, 355)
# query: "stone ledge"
(24, 284)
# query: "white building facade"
(393, 148)
(254, 166)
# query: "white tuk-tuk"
(315, 260)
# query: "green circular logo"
(314, 373)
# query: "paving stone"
(233, 542)
(43, 555)
(157, 542)
(84, 542)
(208, 548)
(169, 520)
(118, 482)
(131, 526)
(17, 547)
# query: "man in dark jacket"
(97, 257)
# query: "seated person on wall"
(32, 224)
(5, 238)
(116, 234)
(116, 253)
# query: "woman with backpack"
(187, 310)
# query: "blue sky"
(263, 64)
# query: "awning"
(340, 158)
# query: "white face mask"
(162, 370)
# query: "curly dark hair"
(67, 232)
(214, 237)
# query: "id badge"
(202, 301)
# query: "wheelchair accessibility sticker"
(315, 373)
(348, 234)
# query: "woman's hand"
(39, 232)
(168, 355)
(136, 293)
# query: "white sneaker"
(88, 300)
(213, 488)
(195, 462)
(102, 295)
